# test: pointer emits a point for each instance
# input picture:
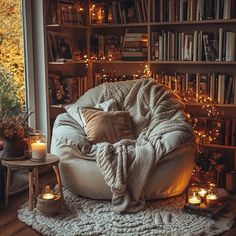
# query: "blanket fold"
(128, 164)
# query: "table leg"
(31, 191)
(7, 185)
(57, 172)
(36, 179)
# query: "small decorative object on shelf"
(38, 143)
(49, 202)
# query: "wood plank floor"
(11, 226)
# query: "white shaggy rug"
(82, 216)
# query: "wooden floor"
(11, 226)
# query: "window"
(12, 79)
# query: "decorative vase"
(14, 147)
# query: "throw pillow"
(76, 112)
(110, 127)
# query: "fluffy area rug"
(81, 216)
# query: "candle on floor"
(194, 199)
(48, 196)
(211, 199)
(47, 193)
(202, 192)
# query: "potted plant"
(14, 131)
(9, 102)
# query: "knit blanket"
(128, 164)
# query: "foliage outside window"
(12, 87)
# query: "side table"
(33, 168)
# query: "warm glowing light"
(47, 193)
(211, 199)
(48, 196)
(194, 200)
(202, 192)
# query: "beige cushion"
(76, 112)
(108, 127)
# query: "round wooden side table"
(32, 167)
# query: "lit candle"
(211, 199)
(38, 150)
(194, 200)
(48, 196)
(202, 192)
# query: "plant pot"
(14, 148)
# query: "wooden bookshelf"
(136, 67)
(53, 26)
(196, 22)
(195, 62)
(118, 62)
(93, 26)
(66, 62)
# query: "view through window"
(12, 81)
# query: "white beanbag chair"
(167, 130)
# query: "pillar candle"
(38, 150)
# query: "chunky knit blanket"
(128, 164)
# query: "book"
(230, 46)
(209, 51)
(227, 9)
(188, 44)
(205, 210)
(221, 89)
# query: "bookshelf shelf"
(118, 62)
(66, 62)
(195, 62)
(53, 26)
(229, 106)
(58, 106)
(94, 26)
(199, 22)
(220, 146)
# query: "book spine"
(221, 88)
(195, 45)
(227, 9)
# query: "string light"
(147, 71)
(206, 135)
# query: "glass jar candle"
(38, 144)
(193, 196)
(212, 195)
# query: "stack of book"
(205, 210)
(135, 46)
(106, 46)
(219, 87)
(191, 10)
(67, 12)
(117, 12)
(196, 46)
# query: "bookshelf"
(100, 21)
